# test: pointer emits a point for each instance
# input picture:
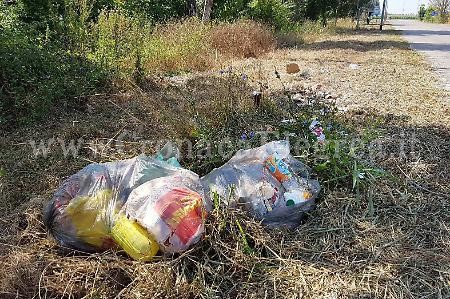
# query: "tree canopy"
(279, 13)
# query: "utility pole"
(383, 12)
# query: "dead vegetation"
(242, 39)
(391, 242)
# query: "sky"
(404, 6)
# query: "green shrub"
(77, 25)
(118, 42)
(429, 14)
(177, 47)
(275, 12)
(36, 75)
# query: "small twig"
(128, 113)
(110, 140)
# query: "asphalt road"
(433, 40)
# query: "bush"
(117, 42)
(124, 43)
(41, 70)
(274, 12)
(36, 75)
(242, 39)
(177, 47)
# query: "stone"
(292, 68)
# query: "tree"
(443, 7)
(229, 10)
(191, 7)
(422, 11)
(277, 13)
(207, 10)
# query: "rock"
(292, 68)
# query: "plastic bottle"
(134, 239)
(278, 168)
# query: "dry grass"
(390, 78)
(242, 39)
(179, 46)
(341, 251)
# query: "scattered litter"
(292, 68)
(311, 95)
(272, 185)
(288, 121)
(353, 66)
(306, 74)
(176, 80)
(257, 96)
(318, 87)
(298, 97)
(316, 128)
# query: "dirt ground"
(369, 70)
(393, 243)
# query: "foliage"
(422, 11)
(430, 14)
(229, 10)
(36, 75)
(179, 46)
(154, 11)
(233, 123)
(442, 7)
(323, 10)
(123, 43)
(118, 41)
(54, 51)
(276, 12)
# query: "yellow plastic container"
(134, 239)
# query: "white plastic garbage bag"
(272, 185)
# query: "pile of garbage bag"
(148, 204)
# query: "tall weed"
(241, 39)
(118, 42)
(177, 47)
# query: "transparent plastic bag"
(272, 185)
(87, 211)
(170, 210)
